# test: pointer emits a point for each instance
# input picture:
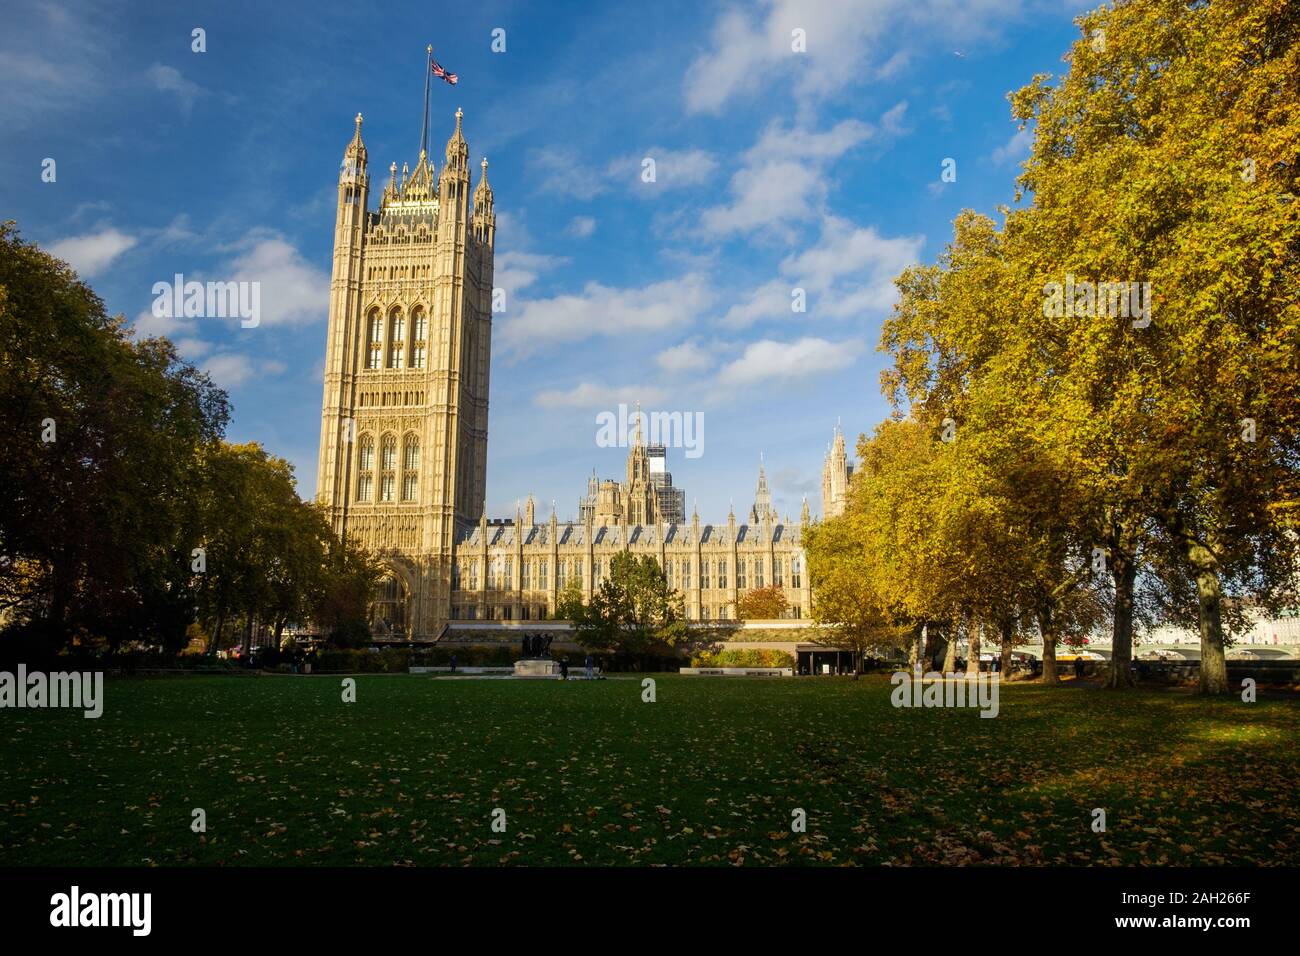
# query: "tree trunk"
(914, 652)
(950, 653)
(1214, 665)
(1008, 631)
(1123, 570)
(248, 637)
(214, 644)
(936, 645)
(1047, 628)
(973, 651)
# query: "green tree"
(634, 612)
(98, 439)
(569, 604)
(340, 606)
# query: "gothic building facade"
(404, 428)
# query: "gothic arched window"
(388, 609)
(419, 332)
(374, 339)
(410, 468)
(387, 466)
(365, 468)
(397, 339)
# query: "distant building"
(404, 428)
(762, 509)
(672, 501)
(836, 472)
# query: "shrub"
(743, 657)
(390, 660)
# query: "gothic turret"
(355, 155)
(836, 471)
(762, 509)
(484, 223)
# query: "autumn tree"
(762, 604)
(847, 610)
(1165, 159)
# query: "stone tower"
(836, 471)
(762, 510)
(642, 505)
(404, 419)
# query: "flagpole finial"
(429, 49)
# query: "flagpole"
(424, 126)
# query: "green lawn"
(587, 773)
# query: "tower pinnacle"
(355, 155)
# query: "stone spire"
(835, 477)
(762, 497)
(483, 224)
(457, 149)
(355, 154)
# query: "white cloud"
(191, 348)
(147, 325)
(846, 250)
(513, 271)
(602, 310)
(772, 193)
(563, 173)
(594, 395)
(580, 227)
(55, 59)
(848, 272)
(673, 168)
(848, 41)
(91, 254)
(293, 291)
(1016, 148)
(687, 357)
(168, 79)
(783, 179)
(770, 361)
(229, 369)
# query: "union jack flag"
(439, 70)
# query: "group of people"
(589, 667)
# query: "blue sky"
(774, 170)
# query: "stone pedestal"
(537, 667)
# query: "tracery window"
(410, 468)
(387, 464)
(365, 469)
(419, 332)
(396, 343)
(374, 339)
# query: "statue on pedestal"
(536, 646)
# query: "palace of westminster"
(404, 426)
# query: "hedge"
(743, 657)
